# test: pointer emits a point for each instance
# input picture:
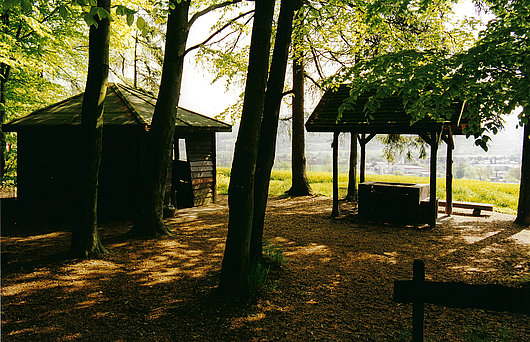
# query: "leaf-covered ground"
(336, 284)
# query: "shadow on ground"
(336, 284)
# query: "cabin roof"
(124, 106)
(390, 117)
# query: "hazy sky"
(198, 94)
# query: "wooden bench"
(477, 207)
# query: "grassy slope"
(503, 196)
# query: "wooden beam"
(426, 137)
(362, 141)
(368, 138)
(432, 182)
(335, 145)
(449, 172)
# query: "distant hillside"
(507, 143)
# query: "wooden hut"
(390, 117)
(48, 155)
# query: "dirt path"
(337, 282)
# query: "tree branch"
(289, 92)
(306, 75)
(315, 60)
(218, 31)
(236, 40)
(209, 9)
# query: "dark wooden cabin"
(48, 156)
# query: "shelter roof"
(124, 106)
(390, 117)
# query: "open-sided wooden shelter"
(389, 118)
(48, 155)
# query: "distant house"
(48, 155)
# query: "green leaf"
(103, 13)
(9, 4)
(140, 23)
(130, 19)
(26, 5)
(89, 20)
(63, 11)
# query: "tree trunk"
(4, 76)
(300, 184)
(352, 174)
(335, 146)
(523, 209)
(160, 138)
(235, 269)
(269, 125)
(85, 239)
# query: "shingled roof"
(390, 117)
(124, 106)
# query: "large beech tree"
(300, 183)
(85, 239)
(236, 261)
(269, 124)
(160, 137)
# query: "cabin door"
(182, 188)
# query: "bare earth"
(337, 282)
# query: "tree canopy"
(491, 76)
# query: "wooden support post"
(449, 175)
(432, 189)
(418, 279)
(362, 142)
(335, 145)
(214, 165)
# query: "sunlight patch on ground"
(86, 268)
(473, 269)
(155, 314)
(36, 274)
(281, 241)
(86, 304)
(39, 237)
(470, 239)
(447, 252)
(163, 269)
(522, 238)
(492, 249)
(34, 330)
(387, 258)
(71, 337)
(311, 249)
(448, 238)
(99, 315)
(217, 239)
(170, 243)
(27, 287)
(241, 321)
